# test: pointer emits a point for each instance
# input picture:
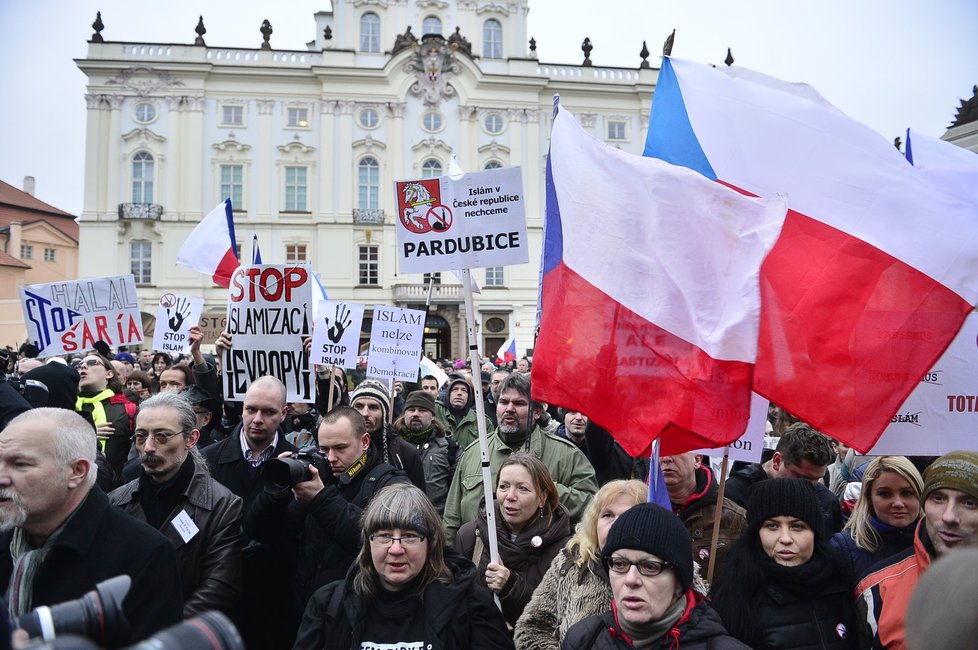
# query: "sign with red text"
(940, 414)
(477, 220)
(175, 315)
(395, 343)
(71, 316)
(269, 316)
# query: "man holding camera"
(330, 487)
(176, 495)
(60, 537)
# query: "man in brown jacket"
(693, 494)
(176, 495)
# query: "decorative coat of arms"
(433, 63)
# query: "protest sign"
(749, 446)
(269, 315)
(72, 316)
(395, 343)
(212, 323)
(939, 416)
(336, 334)
(175, 315)
(477, 220)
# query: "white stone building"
(308, 144)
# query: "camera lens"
(209, 631)
(282, 473)
(95, 615)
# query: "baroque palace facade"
(308, 143)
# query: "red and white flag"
(211, 247)
(876, 266)
(650, 296)
(506, 351)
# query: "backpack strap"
(378, 477)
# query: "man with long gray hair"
(176, 495)
(59, 537)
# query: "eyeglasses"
(383, 539)
(161, 437)
(91, 363)
(648, 568)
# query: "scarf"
(27, 562)
(416, 438)
(799, 581)
(647, 636)
(98, 410)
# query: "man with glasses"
(59, 537)
(322, 514)
(176, 495)
(100, 393)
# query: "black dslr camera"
(281, 474)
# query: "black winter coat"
(825, 619)
(101, 542)
(326, 532)
(699, 628)
(458, 616)
(857, 561)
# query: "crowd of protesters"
(359, 520)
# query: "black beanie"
(61, 381)
(784, 497)
(650, 528)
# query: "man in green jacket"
(518, 430)
(458, 413)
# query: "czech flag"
(506, 352)
(876, 267)
(211, 247)
(650, 295)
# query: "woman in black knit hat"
(782, 587)
(649, 558)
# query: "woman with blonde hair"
(884, 517)
(531, 528)
(406, 589)
(576, 584)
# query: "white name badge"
(185, 526)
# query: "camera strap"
(351, 472)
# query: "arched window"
(493, 164)
(492, 39)
(431, 169)
(431, 25)
(370, 32)
(142, 178)
(368, 184)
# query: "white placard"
(477, 220)
(175, 315)
(72, 316)
(336, 334)
(749, 446)
(941, 413)
(185, 526)
(395, 343)
(269, 315)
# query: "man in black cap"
(439, 449)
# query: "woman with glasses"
(531, 528)
(407, 589)
(649, 558)
(100, 393)
(782, 586)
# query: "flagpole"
(718, 514)
(480, 410)
(329, 399)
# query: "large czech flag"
(650, 295)
(876, 266)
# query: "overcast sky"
(891, 64)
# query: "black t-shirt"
(394, 624)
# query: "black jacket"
(698, 628)
(101, 542)
(401, 454)
(326, 532)
(458, 616)
(824, 619)
(210, 561)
